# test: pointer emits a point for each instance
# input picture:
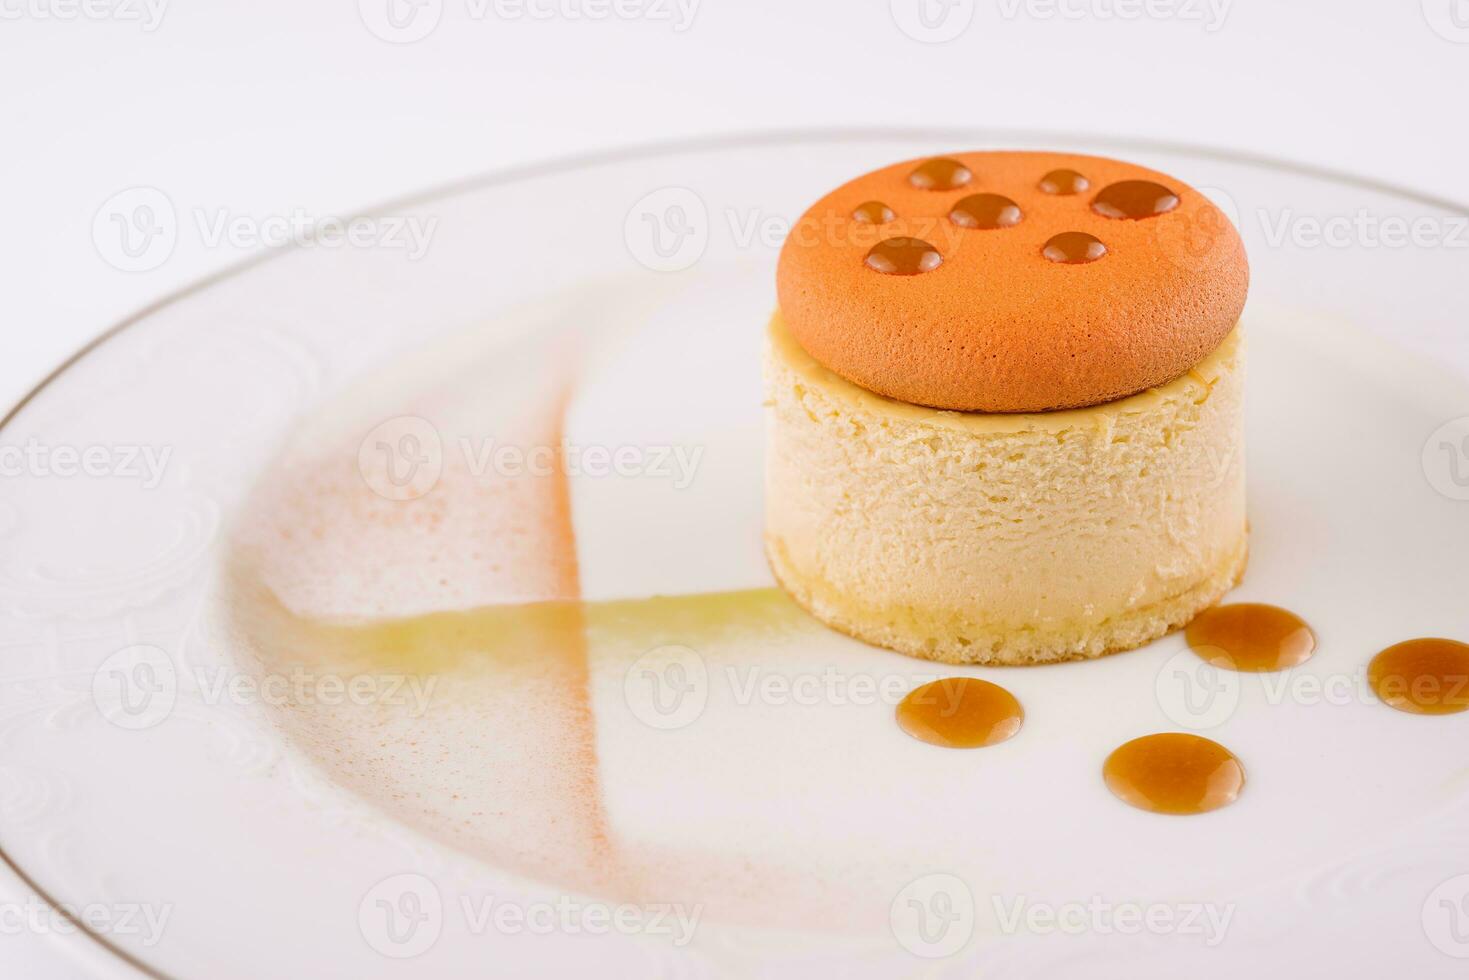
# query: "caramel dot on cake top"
(1074, 248)
(903, 257)
(986, 211)
(940, 174)
(1134, 199)
(872, 213)
(1012, 281)
(1064, 181)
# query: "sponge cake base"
(999, 538)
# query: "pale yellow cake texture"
(1004, 539)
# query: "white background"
(283, 107)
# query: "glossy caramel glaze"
(1174, 773)
(1251, 636)
(960, 713)
(1425, 677)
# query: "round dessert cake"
(1006, 397)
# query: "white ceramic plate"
(562, 789)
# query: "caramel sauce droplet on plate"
(960, 713)
(1174, 773)
(1251, 636)
(1423, 677)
